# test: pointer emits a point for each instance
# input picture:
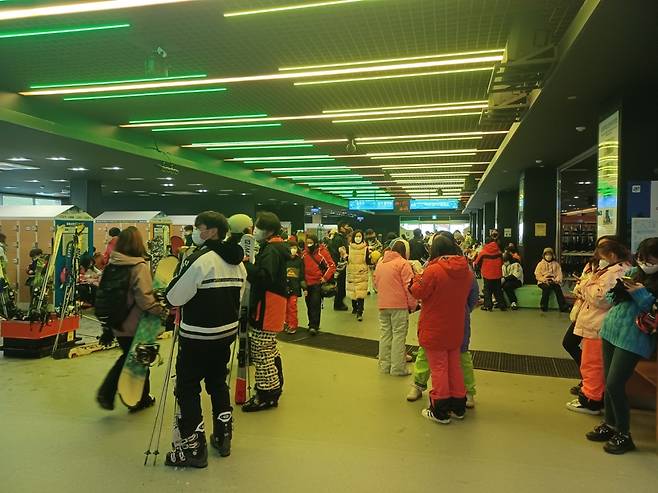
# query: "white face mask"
(603, 263)
(310, 245)
(648, 268)
(548, 258)
(358, 239)
(259, 234)
(293, 251)
(196, 237)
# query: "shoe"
(313, 331)
(192, 451)
(359, 317)
(514, 306)
(470, 401)
(405, 373)
(619, 444)
(486, 309)
(578, 407)
(457, 406)
(144, 404)
(254, 404)
(292, 331)
(222, 434)
(342, 308)
(575, 390)
(414, 394)
(503, 308)
(104, 402)
(444, 419)
(602, 433)
(408, 358)
(543, 309)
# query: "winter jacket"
(418, 250)
(109, 249)
(443, 289)
(490, 261)
(357, 271)
(513, 269)
(208, 289)
(334, 246)
(471, 303)
(393, 275)
(269, 285)
(140, 295)
(545, 269)
(619, 326)
(595, 305)
(295, 276)
(313, 261)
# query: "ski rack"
(47, 278)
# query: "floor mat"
(482, 360)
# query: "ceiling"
(198, 40)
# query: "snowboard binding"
(148, 354)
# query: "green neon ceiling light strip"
(290, 7)
(63, 30)
(200, 118)
(143, 94)
(125, 81)
(244, 148)
(289, 161)
(306, 169)
(216, 127)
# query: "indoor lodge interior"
(480, 133)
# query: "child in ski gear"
(127, 266)
(624, 344)
(375, 248)
(512, 278)
(490, 264)
(443, 286)
(296, 282)
(208, 290)
(267, 312)
(613, 263)
(319, 268)
(357, 273)
(37, 263)
(392, 277)
(549, 279)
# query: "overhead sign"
(433, 204)
(370, 205)
(402, 205)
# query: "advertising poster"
(521, 205)
(608, 175)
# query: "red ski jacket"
(490, 261)
(312, 263)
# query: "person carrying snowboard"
(208, 290)
(124, 293)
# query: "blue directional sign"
(370, 205)
(433, 204)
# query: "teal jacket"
(619, 326)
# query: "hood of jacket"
(117, 258)
(390, 255)
(491, 248)
(231, 252)
(548, 251)
(277, 243)
(456, 266)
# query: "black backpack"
(112, 296)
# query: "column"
(87, 195)
(489, 218)
(507, 216)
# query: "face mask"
(259, 234)
(293, 251)
(310, 246)
(548, 258)
(603, 263)
(648, 268)
(358, 239)
(196, 238)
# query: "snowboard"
(143, 351)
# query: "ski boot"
(261, 402)
(192, 452)
(222, 433)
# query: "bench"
(529, 296)
(641, 388)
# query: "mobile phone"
(627, 279)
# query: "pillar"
(480, 224)
(87, 195)
(507, 216)
(489, 218)
(537, 216)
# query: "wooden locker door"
(45, 234)
(100, 236)
(27, 240)
(8, 227)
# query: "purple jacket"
(471, 303)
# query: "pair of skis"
(248, 243)
(39, 306)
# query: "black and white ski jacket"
(208, 289)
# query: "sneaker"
(222, 434)
(292, 331)
(359, 317)
(414, 394)
(144, 404)
(461, 414)
(254, 404)
(313, 331)
(578, 407)
(192, 452)
(514, 306)
(575, 390)
(444, 419)
(602, 433)
(470, 401)
(619, 444)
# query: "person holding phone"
(319, 268)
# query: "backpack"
(112, 296)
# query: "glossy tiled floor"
(340, 427)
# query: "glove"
(107, 337)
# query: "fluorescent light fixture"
(112, 168)
(395, 76)
(265, 77)
(57, 158)
(124, 81)
(19, 159)
(290, 7)
(281, 158)
(267, 143)
(425, 136)
(258, 161)
(483, 103)
(80, 7)
(144, 94)
(63, 30)
(135, 178)
(77, 168)
(413, 141)
(165, 178)
(202, 190)
(325, 177)
(245, 148)
(198, 119)
(219, 127)
(392, 60)
(306, 169)
(372, 155)
(409, 117)
(427, 155)
(32, 181)
(9, 187)
(167, 184)
(195, 184)
(436, 173)
(432, 165)
(117, 191)
(59, 181)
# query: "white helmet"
(240, 223)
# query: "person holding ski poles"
(208, 290)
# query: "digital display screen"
(430, 204)
(370, 205)
(608, 176)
